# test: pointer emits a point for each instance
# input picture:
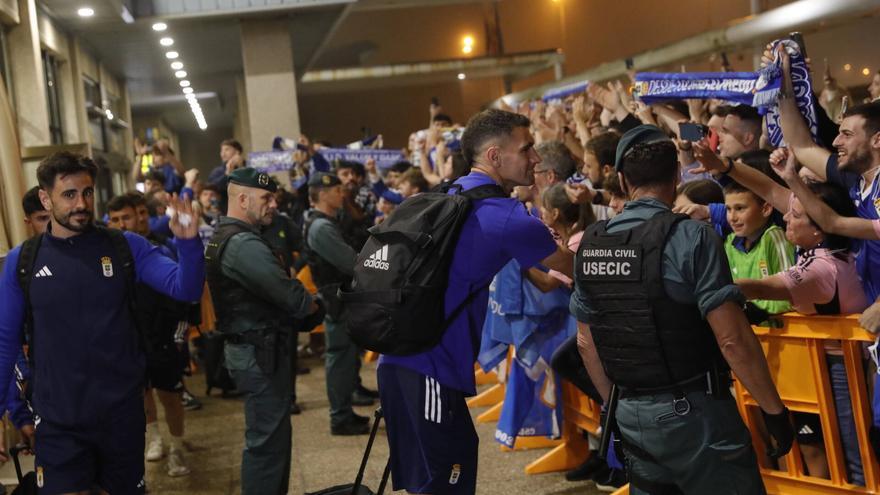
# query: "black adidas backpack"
(395, 304)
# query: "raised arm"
(794, 127)
(757, 182)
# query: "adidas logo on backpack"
(379, 259)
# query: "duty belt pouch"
(266, 351)
(332, 303)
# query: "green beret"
(323, 179)
(251, 177)
(637, 135)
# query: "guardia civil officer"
(661, 320)
(331, 261)
(256, 302)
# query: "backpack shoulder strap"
(24, 270)
(484, 191)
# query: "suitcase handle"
(14, 451)
(377, 416)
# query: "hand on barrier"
(781, 431)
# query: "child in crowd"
(699, 192)
(756, 248)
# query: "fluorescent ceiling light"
(171, 55)
(160, 26)
(184, 84)
(85, 12)
(187, 91)
(176, 65)
(166, 41)
(180, 74)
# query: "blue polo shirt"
(868, 207)
(497, 231)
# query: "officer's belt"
(253, 337)
(710, 382)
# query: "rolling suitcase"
(357, 488)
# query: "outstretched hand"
(693, 210)
(183, 224)
(709, 161)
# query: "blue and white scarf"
(758, 89)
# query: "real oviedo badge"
(107, 266)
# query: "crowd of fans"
(799, 223)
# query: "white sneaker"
(176, 467)
(155, 450)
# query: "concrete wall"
(201, 149)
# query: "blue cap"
(637, 135)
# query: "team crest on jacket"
(107, 266)
(456, 473)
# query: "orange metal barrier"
(795, 353)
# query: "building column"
(270, 83)
(241, 126)
(28, 80)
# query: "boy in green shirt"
(756, 248)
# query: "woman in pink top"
(824, 281)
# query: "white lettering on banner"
(607, 268)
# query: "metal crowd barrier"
(796, 355)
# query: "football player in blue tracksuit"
(88, 362)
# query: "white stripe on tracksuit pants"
(433, 403)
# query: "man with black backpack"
(432, 439)
(73, 288)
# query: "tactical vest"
(238, 310)
(323, 272)
(644, 339)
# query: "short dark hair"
(356, 167)
(233, 144)
(120, 202)
(749, 115)
(734, 187)
(155, 176)
(650, 164)
(486, 125)
(212, 188)
(604, 147)
(416, 179)
(442, 117)
(400, 167)
(30, 202)
(64, 163)
(136, 198)
(555, 156)
(870, 112)
(721, 111)
(702, 191)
